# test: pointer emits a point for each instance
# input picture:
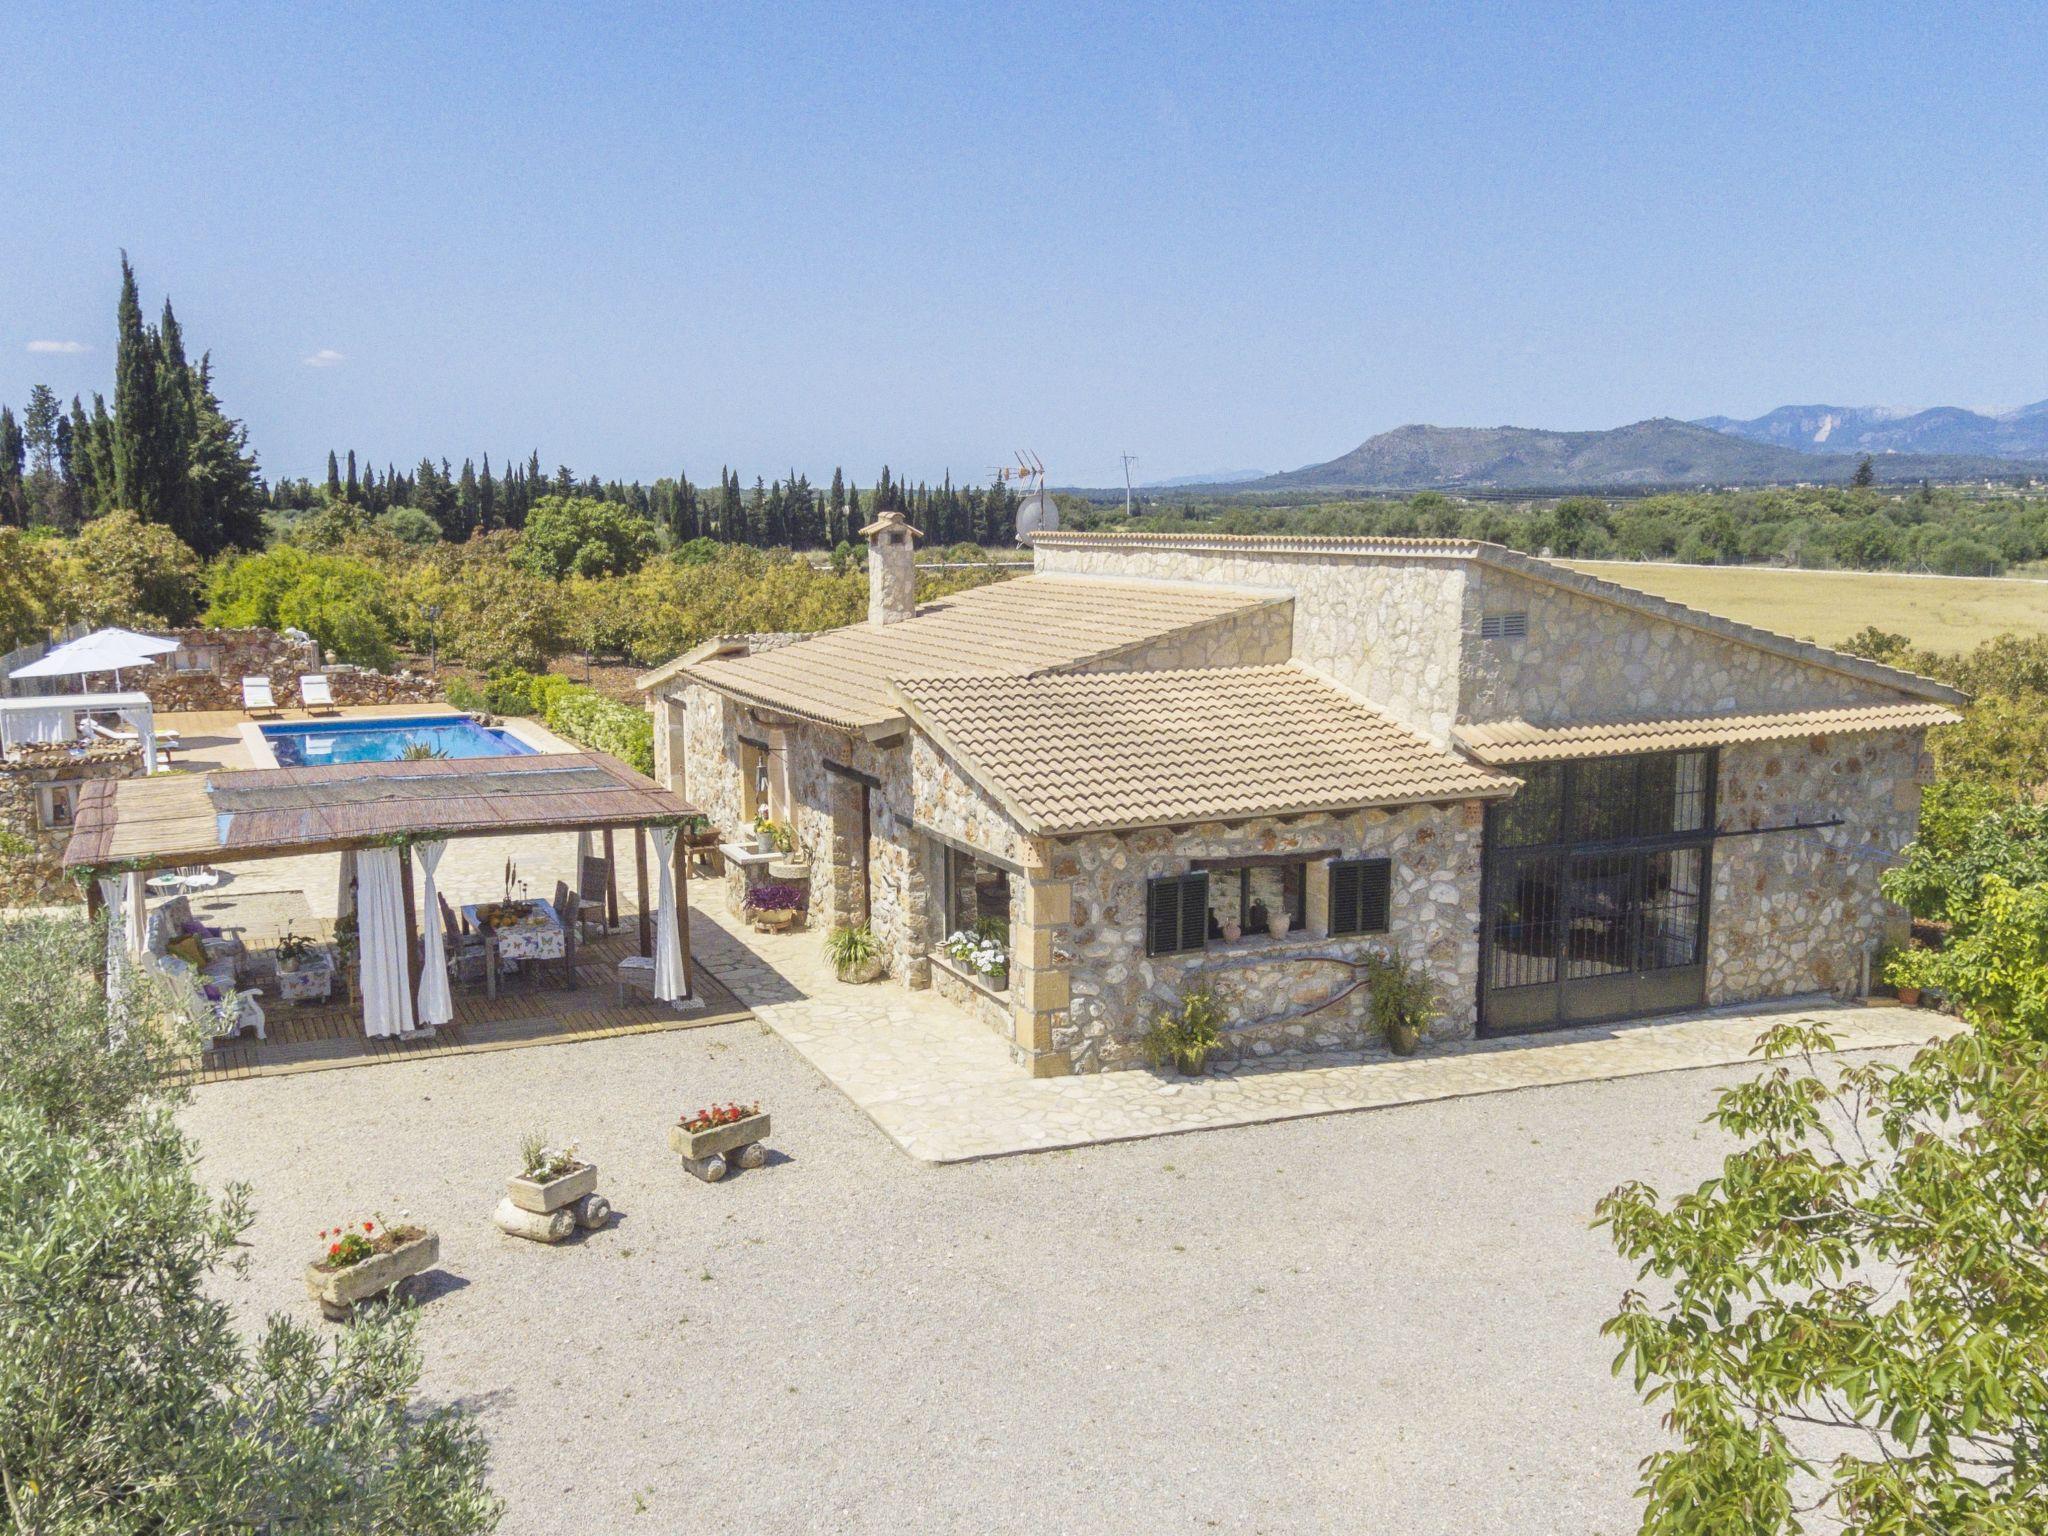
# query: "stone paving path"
(943, 1088)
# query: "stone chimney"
(892, 568)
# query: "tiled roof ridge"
(1534, 567)
(1513, 739)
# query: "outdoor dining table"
(538, 935)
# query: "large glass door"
(1596, 891)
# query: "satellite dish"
(1037, 513)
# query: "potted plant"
(764, 833)
(549, 1176)
(855, 953)
(1906, 970)
(982, 950)
(297, 952)
(1404, 1001)
(1185, 1041)
(774, 904)
(367, 1259)
(712, 1138)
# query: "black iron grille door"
(1597, 875)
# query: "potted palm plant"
(1186, 1040)
(1404, 1001)
(855, 953)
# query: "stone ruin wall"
(32, 855)
(1797, 911)
(229, 655)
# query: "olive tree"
(129, 1402)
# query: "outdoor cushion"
(191, 949)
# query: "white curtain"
(380, 929)
(668, 942)
(135, 913)
(25, 725)
(141, 719)
(436, 1006)
(112, 894)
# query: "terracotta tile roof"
(1517, 741)
(1087, 751)
(841, 677)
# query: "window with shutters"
(1360, 895)
(1176, 913)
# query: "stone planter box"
(339, 1290)
(709, 1153)
(790, 870)
(860, 975)
(531, 1195)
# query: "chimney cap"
(891, 521)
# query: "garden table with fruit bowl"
(535, 933)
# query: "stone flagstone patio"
(943, 1087)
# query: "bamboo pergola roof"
(166, 821)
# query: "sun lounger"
(256, 695)
(315, 695)
(167, 742)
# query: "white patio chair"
(167, 741)
(256, 695)
(316, 695)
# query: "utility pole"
(1129, 460)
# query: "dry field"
(1939, 613)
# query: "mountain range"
(1874, 429)
(1658, 452)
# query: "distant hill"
(1219, 477)
(1860, 429)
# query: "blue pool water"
(314, 742)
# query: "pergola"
(54, 718)
(386, 815)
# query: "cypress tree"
(13, 492)
(486, 498)
(353, 489)
(137, 421)
(333, 476)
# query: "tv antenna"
(1037, 512)
(1129, 460)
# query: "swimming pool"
(310, 744)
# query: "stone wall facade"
(1586, 659)
(31, 854)
(1386, 629)
(1799, 911)
(1273, 990)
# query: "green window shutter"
(1344, 885)
(1194, 910)
(1176, 913)
(1361, 895)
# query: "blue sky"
(657, 237)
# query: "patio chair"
(256, 696)
(316, 695)
(465, 946)
(224, 1012)
(593, 880)
(167, 741)
(579, 915)
(636, 974)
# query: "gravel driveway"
(1371, 1322)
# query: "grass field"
(1938, 613)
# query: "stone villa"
(1167, 761)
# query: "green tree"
(1866, 474)
(1857, 1313)
(343, 603)
(32, 589)
(13, 485)
(129, 1401)
(132, 573)
(565, 535)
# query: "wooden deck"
(316, 1037)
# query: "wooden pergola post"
(611, 885)
(640, 876)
